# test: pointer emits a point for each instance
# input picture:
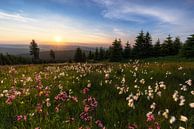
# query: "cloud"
(15, 17)
(131, 11)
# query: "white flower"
(189, 82)
(153, 106)
(165, 114)
(191, 105)
(172, 120)
(192, 92)
(142, 81)
(181, 127)
(180, 68)
(183, 118)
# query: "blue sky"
(93, 21)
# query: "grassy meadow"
(134, 95)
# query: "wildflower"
(61, 96)
(191, 105)
(150, 116)
(91, 103)
(157, 125)
(172, 120)
(132, 126)
(142, 81)
(183, 118)
(180, 68)
(181, 127)
(85, 90)
(85, 116)
(19, 117)
(192, 92)
(189, 82)
(107, 76)
(153, 106)
(99, 124)
(165, 114)
(39, 107)
(74, 98)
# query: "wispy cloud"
(130, 11)
(15, 17)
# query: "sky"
(93, 21)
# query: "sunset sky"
(92, 21)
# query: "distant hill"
(59, 55)
(62, 52)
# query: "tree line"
(7, 59)
(143, 48)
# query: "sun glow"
(58, 39)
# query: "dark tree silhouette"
(188, 48)
(127, 51)
(96, 54)
(138, 47)
(116, 51)
(34, 50)
(176, 46)
(52, 54)
(90, 55)
(78, 55)
(157, 49)
(167, 46)
(147, 47)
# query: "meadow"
(134, 95)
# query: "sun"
(58, 39)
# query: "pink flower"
(99, 124)
(25, 117)
(86, 108)
(10, 99)
(157, 125)
(85, 90)
(39, 107)
(19, 117)
(85, 116)
(150, 117)
(132, 126)
(63, 96)
(74, 98)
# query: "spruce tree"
(147, 46)
(101, 54)
(157, 49)
(34, 50)
(90, 55)
(127, 51)
(188, 48)
(139, 45)
(78, 55)
(176, 46)
(52, 54)
(167, 46)
(96, 55)
(116, 51)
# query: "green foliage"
(127, 51)
(34, 50)
(116, 51)
(79, 56)
(52, 54)
(188, 48)
(143, 46)
(167, 46)
(157, 49)
(11, 60)
(20, 83)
